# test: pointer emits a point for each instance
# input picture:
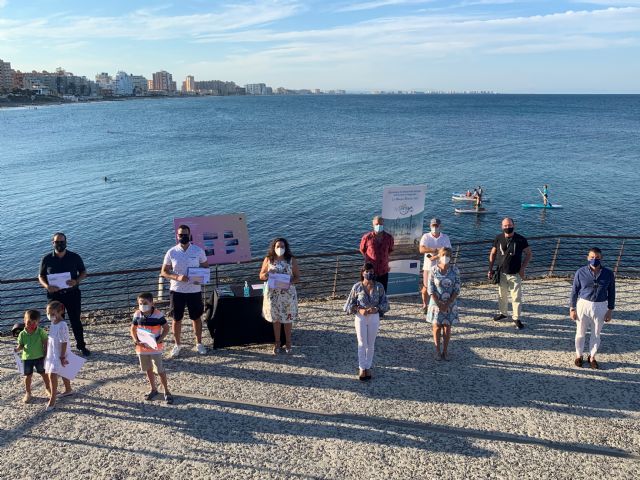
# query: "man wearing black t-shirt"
(62, 260)
(509, 248)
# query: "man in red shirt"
(376, 246)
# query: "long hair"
(365, 267)
(271, 251)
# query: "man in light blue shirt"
(593, 297)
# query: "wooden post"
(455, 258)
(615, 269)
(160, 295)
(552, 267)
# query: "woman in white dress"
(280, 304)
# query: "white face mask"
(145, 307)
(435, 230)
(445, 260)
(53, 318)
(280, 251)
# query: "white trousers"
(366, 330)
(590, 316)
(510, 285)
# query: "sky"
(506, 46)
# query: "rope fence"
(323, 275)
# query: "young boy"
(32, 342)
(148, 317)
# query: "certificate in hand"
(145, 336)
(19, 365)
(71, 369)
(199, 275)
(280, 281)
(59, 279)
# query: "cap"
(435, 220)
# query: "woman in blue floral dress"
(443, 290)
(280, 305)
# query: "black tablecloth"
(237, 320)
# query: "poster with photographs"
(224, 238)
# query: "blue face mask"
(594, 262)
(369, 275)
(378, 228)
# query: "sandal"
(168, 398)
(151, 395)
(276, 349)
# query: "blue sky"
(502, 45)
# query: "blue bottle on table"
(247, 292)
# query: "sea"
(309, 168)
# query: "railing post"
(160, 295)
(455, 258)
(552, 267)
(615, 269)
(335, 278)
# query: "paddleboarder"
(545, 195)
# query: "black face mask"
(508, 231)
(60, 246)
(183, 238)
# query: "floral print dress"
(444, 285)
(280, 305)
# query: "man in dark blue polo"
(593, 298)
(62, 260)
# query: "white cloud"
(356, 7)
(3, 3)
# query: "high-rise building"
(6, 76)
(218, 87)
(163, 81)
(104, 80)
(140, 84)
(123, 84)
(257, 89)
(189, 84)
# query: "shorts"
(29, 365)
(147, 362)
(193, 302)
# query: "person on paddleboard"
(545, 194)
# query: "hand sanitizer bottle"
(247, 292)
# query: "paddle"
(548, 202)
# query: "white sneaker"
(200, 349)
(175, 351)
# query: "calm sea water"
(309, 168)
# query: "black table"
(237, 320)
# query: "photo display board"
(224, 238)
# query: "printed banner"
(404, 277)
(224, 238)
(403, 213)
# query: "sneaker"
(168, 398)
(27, 398)
(175, 351)
(519, 325)
(200, 349)
(85, 351)
(578, 362)
(499, 317)
(438, 355)
(593, 363)
(151, 395)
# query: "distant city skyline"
(509, 46)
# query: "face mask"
(183, 238)
(60, 246)
(30, 328)
(445, 260)
(378, 228)
(508, 230)
(53, 318)
(280, 251)
(435, 230)
(368, 275)
(144, 307)
(594, 262)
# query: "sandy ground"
(509, 404)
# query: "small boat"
(473, 210)
(540, 205)
(462, 197)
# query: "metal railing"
(324, 275)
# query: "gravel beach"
(508, 404)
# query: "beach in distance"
(310, 168)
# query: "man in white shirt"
(429, 245)
(184, 292)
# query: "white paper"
(20, 366)
(258, 286)
(199, 275)
(279, 281)
(71, 369)
(145, 336)
(59, 279)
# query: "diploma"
(199, 275)
(20, 366)
(145, 336)
(59, 279)
(280, 281)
